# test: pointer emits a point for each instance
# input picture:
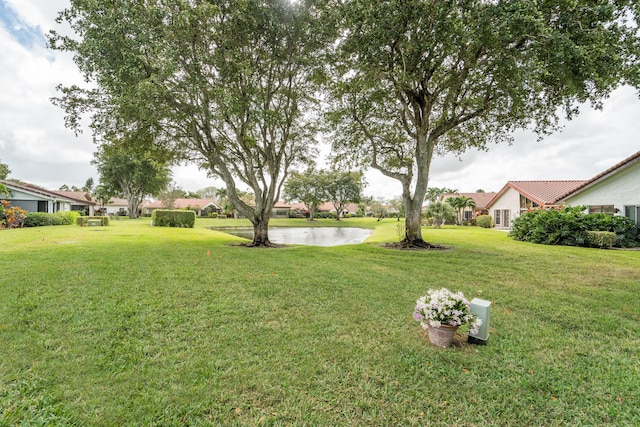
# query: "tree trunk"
(133, 209)
(261, 233)
(413, 234)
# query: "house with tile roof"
(517, 197)
(349, 208)
(82, 201)
(197, 205)
(113, 207)
(615, 191)
(281, 210)
(32, 198)
(481, 200)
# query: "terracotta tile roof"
(282, 205)
(481, 199)
(352, 207)
(183, 204)
(80, 196)
(34, 189)
(631, 160)
(116, 201)
(542, 192)
(299, 207)
(326, 207)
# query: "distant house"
(197, 205)
(300, 209)
(281, 210)
(616, 191)
(32, 198)
(114, 206)
(520, 196)
(349, 208)
(481, 200)
(81, 201)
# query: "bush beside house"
(570, 226)
(484, 221)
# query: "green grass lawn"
(135, 325)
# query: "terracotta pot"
(442, 336)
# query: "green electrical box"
(481, 309)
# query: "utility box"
(481, 309)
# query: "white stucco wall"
(620, 190)
(510, 201)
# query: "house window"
(605, 209)
(467, 215)
(526, 203)
(633, 213)
(505, 218)
(43, 206)
(496, 217)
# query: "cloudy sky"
(39, 149)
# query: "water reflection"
(310, 236)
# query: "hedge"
(84, 220)
(173, 218)
(41, 219)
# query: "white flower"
(442, 306)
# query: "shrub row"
(41, 219)
(325, 215)
(570, 226)
(83, 221)
(173, 218)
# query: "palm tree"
(434, 193)
(460, 203)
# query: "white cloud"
(33, 140)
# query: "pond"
(310, 236)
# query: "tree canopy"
(417, 78)
(307, 187)
(229, 84)
(343, 187)
(4, 170)
(130, 174)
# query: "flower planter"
(442, 336)
(445, 308)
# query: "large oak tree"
(416, 78)
(224, 82)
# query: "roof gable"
(542, 192)
(36, 191)
(77, 196)
(618, 167)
